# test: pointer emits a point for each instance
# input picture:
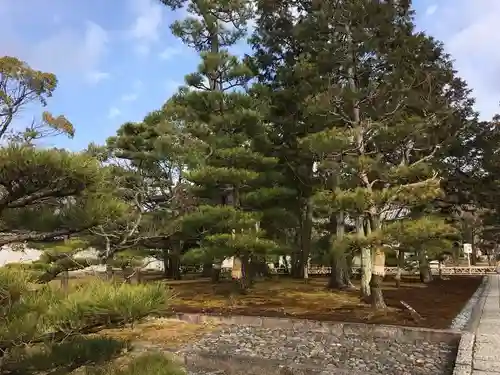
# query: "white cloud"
(71, 50)
(431, 10)
(468, 31)
(94, 77)
(145, 29)
(129, 97)
(169, 53)
(114, 112)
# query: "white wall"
(7, 255)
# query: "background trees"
(47, 195)
(343, 134)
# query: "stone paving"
(486, 353)
(479, 351)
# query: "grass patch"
(167, 333)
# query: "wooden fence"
(473, 270)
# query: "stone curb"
(463, 361)
(477, 308)
(467, 316)
(338, 329)
(465, 353)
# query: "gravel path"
(357, 354)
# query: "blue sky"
(116, 60)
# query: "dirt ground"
(438, 302)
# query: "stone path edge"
(389, 332)
(465, 353)
(469, 315)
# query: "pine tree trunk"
(175, 266)
(244, 281)
(215, 273)
(366, 273)
(336, 280)
(175, 261)
(166, 264)
(378, 272)
(338, 274)
(401, 260)
(366, 261)
(348, 272)
(260, 268)
(378, 302)
(296, 265)
(424, 268)
(207, 270)
(305, 239)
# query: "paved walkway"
(486, 353)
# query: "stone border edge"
(393, 333)
(468, 313)
(463, 361)
(477, 309)
(465, 353)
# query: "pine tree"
(282, 91)
(389, 102)
(158, 152)
(215, 109)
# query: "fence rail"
(473, 270)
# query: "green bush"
(43, 328)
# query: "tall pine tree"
(215, 108)
(386, 97)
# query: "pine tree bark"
(244, 281)
(378, 272)
(215, 273)
(207, 270)
(348, 272)
(339, 277)
(174, 261)
(166, 263)
(366, 260)
(306, 239)
(424, 268)
(401, 260)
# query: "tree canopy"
(344, 132)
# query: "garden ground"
(437, 302)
